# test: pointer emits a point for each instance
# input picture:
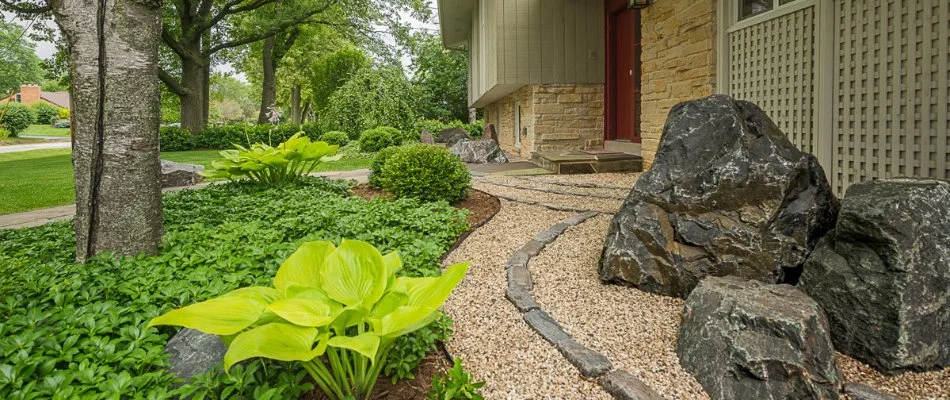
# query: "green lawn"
(36, 179)
(45, 130)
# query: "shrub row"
(432, 126)
(225, 137)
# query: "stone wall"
(556, 117)
(679, 62)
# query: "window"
(749, 8)
(17, 99)
(517, 112)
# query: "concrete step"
(622, 146)
(588, 162)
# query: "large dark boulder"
(479, 151)
(178, 174)
(744, 339)
(728, 194)
(451, 136)
(883, 276)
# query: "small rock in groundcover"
(479, 151)
(728, 194)
(452, 135)
(745, 339)
(191, 352)
(178, 174)
(883, 274)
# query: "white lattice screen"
(772, 65)
(892, 87)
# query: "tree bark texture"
(296, 111)
(194, 101)
(269, 90)
(115, 97)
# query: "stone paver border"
(591, 364)
(552, 191)
(550, 206)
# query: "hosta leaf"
(303, 267)
(366, 344)
(225, 315)
(264, 294)
(431, 292)
(393, 264)
(406, 319)
(282, 342)
(302, 312)
(355, 274)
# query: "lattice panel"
(772, 65)
(891, 90)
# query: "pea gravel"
(491, 337)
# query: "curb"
(591, 364)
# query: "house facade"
(862, 84)
(31, 94)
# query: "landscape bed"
(79, 330)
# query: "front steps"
(588, 161)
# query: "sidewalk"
(38, 146)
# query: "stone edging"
(552, 191)
(591, 364)
(571, 184)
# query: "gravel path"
(635, 330)
(491, 337)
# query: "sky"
(46, 50)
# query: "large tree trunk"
(194, 101)
(305, 112)
(269, 93)
(113, 46)
(296, 111)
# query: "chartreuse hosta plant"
(336, 310)
(263, 163)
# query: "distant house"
(30, 94)
(863, 85)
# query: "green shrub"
(432, 126)
(379, 161)
(336, 137)
(78, 330)
(62, 123)
(374, 140)
(455, 385)
(262, 163)
(4, 133)
(17, 118)
(172, 138)
(62, 113)
(427, 173)
(46, 114)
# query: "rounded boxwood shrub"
(18, 118)
(376, 167)
(427, 173)
(46, 114)
(374, 140)
(335, 137)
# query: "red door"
(622, 89)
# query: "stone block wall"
(556, 117)
(678, 61)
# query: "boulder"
(884, 273)
(178, 174)
(452, 135)
(426, 138)
(743, 339)
(191, 352)
(727, 194)
(479, 151)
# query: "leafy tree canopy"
(18, 61)
(440, 79)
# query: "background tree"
(371, 97)
(231, 99)
(332, 72)
(440, 79)
(18, 61)
(113, 62)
